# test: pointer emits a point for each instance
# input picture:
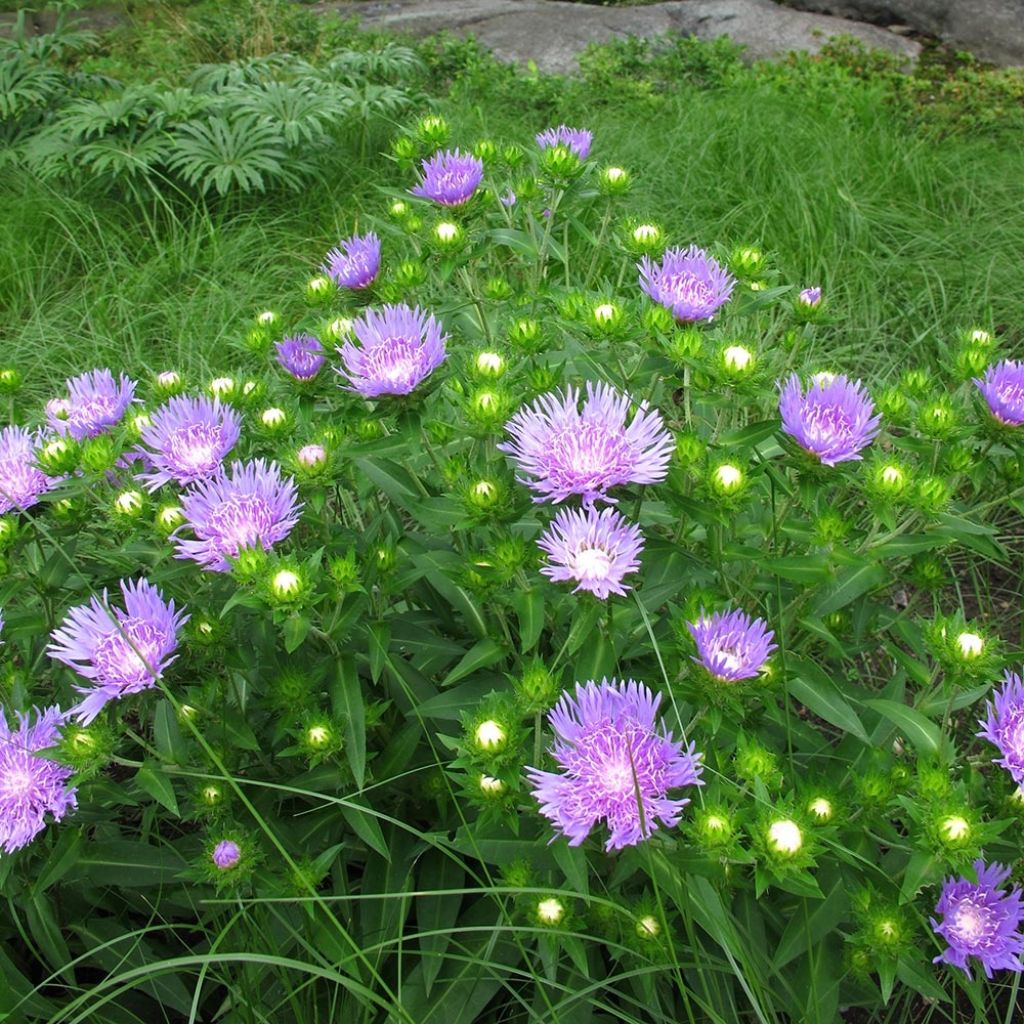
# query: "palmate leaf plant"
(318, 680)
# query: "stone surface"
(991, 29)
(552, 32)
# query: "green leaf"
(170, 743)
(519, 242)
(573, 863)
(378, 640)
(153, 781)
(921, 731)
(850, 584)
(367, 828)
(296, 629)
(922, 868)
(129, 865)
(583, 622)
(822, 696)
(803, 934)
(806, 569)
(482, 654)
(529, 608)
(750, 435)
(436, 913)
(347, 699)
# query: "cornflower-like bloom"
(596, 549)
(120, 651)
(981, 920)
(399, 347)
(833, 421)
(253, 506)
(562, 450)
(688, 282)
(95, 402)
(1004, 725)
(31, 786)
(617, 765)
(187, 440)
(731, 645)
(355, 263)
(577, 139)
(1003, 390)
(302, 356)
(226, 854)
(810, 297)
(21, 481)
(449, 178)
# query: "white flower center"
(592, 564)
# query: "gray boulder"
(991, 29)
(552, 33)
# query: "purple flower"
(400, 346)
(226, 854)
(508, 198)
(449, 178)
(833, 421)
(578, 140)
(355, 263)
(617, 766)
(253, 506)
(30, 785)
(187, 440)
(1004, 725)
(731, 645)
(810, 297)
(21, 481)
(122, 652)
(596, 549)
(688, 282)
(95, 402)
(982, 920)
(567, 451)
(301, 355)
(1003, 389)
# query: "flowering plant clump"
(516, 613)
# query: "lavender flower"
(810, 297)
(187, 440)
(578, 140)
(449, 178)
(95, 402)
(689, 282)
(981, 920)
(833, 421)
(596, 549)
(400, 346)
(1003, 390)
(1004, 725)
(567, 451)
(731, 645)
(617, 766)
(122, 652)
(31, 786)
(301, 355)
(507, 198)
(356, 263)
(226, 854)
(21, 481)
(253, 506)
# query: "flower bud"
(754, 761)
(820, 808)
(226, 855)
(488, 364)
(344, 572)
(542, 378)
(614, 181)
(809, 298)
(971, 361)
(550, 911)
(892, 402)
(448, 236)
(970, 645)
(714, 826)
(486, 150)
(311, 456)
(10, 380)
(747, 259)
(286, 585)
(268, 319)
(497, 288)
(560, 163)
(384, 557)
(979, 336)
(524, 333)
(404, 148)
(607, 317)
(412, 273)
(690, 448)
(685, 345)
(932, 494)
(433, 131)
(657, 318)
(483, 495)
(274, 419)
(727, 480)
(168, 383)
(128, 504)
(222, 387)
(915, 382)
(785, 837)
(320, 290)
(737, 360)
(8, 531)
(488, 409)
(536, 689)
(646, 238)
(937, 419)
(58, 456)
(99, 454)
(490, 786)
(338, 329)
(399, 209)
(211, 794)
(490, 736)
(954, 829)
(647, 927)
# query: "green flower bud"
(646, 238)
(320, 290)
(433, 131)
(128, 505)
(928, 572)
(490, 736)
(931, 495)
(738, 361)
(404, 148)
(384, 557)
(746, 260)
(542, 378)
(657, 318)
(490, 787)
(614, 181)
(274, 420)
(647, 927)
(99, 454)
(784, 837)
(10, 380)
(690, 448)
(607, 317)
(714, 826)
(892, 402)
(448, 236)
(513, 154)
(549, 912)
(488, 409)
(486, 150)
(754, 761)
(685, 345)
(727, 480)
(412, 273)
(937, 419)
(821, 809)
(916, 382)
(524, 334)
(537, 690)
(560, 163)
(971, 361)
(338, 329)
(399, 209)
(58, 456)
(497, 288)
(483, 495)
(286, 585)
(8, 531)
(168, 383)
(222, 387)
(488, 364)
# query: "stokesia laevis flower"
(1003, 390)
(301, 355)
(561, 450)
(981, 920)
(187, 440)
(1004, 725)
(577, 139)
(731, 645)
(31, 786)
(120, 651)
(833, 421)
(616, 765)
(810, 297)
(95, 402)
(596, 549)
(689, 282)
(21, 481)
(449, 177)
(355, 263)
(228, 513)
(399, 347)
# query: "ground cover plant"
(526, 614)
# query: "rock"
(991, 29)
(552, 32)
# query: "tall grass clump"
(541, 612)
